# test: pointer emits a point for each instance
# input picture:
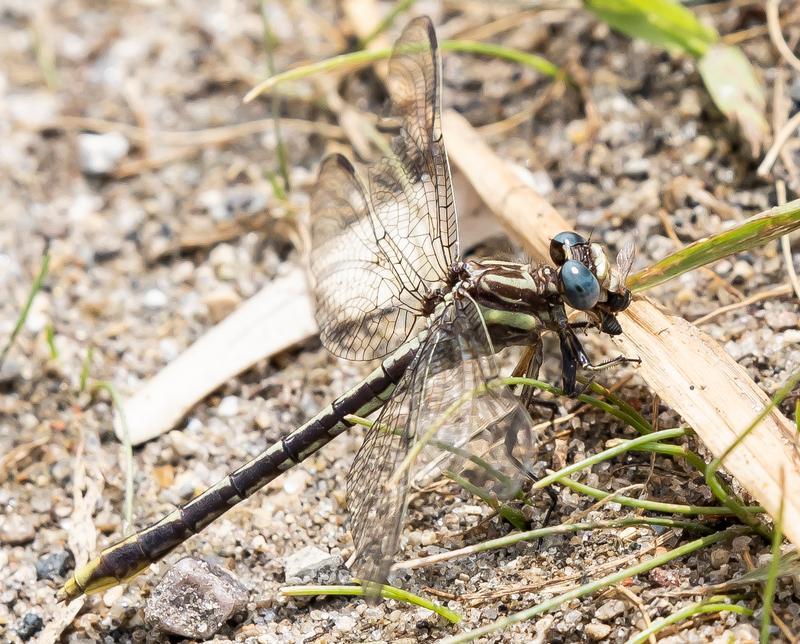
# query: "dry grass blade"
(686, 368)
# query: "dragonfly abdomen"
(129, 557)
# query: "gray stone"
(54, 565)
(194, 599)
(610, 610)
(31, 624)
(309, 562)
(596, 631)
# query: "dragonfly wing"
(411, 189)
(375, 257)
(362, 309)
(449, 414)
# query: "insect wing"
(375, 257)
(448, 415)
(624, 262)
(411, 189)
(361, 308)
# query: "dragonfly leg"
(528, 366)
(613, 362)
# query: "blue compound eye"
(581, 289)
(567, 238)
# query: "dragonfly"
(389, 283)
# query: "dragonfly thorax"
(517, 301)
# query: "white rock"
(154, 299)
(100, 153)
(228, 406)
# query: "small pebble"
(306, 564)
(636, 168)
(221, 302)
(31, 624)
(784, 320)
(741, 544)
(228, 406)
(223, 258)
(719, 557)
(610, 610)
(154, 299)
(596, 631)
(9, 371)
(100, 153)
(665, 578)
(55, 565)
(194, 599)
(16, 530)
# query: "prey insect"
(388, 282)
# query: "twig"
(530, 535)
(206, 136)
(783, 289)
(775, 35)
(780, 140)
(786, 247)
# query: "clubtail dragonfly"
(388, 282)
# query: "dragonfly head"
(586, 280)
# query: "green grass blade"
(359, 59)
(387, 592)
(624, 446)
(788, 566)
(86, 367)
(50, 336)
(280, 148)
(751, 233)
(646, 504)
(594, 586)
(716, 604)
(772, 571)
(38, 282)
(537, 63)
(662, 22)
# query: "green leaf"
(661, 22)
(736, 91)
(751, 233)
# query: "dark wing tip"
(422, 23)
(337, 160)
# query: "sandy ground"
(138, 227)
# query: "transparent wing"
(448, 414)
(375, 257)
(624, 261)
(362, 309)
(411, 189)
